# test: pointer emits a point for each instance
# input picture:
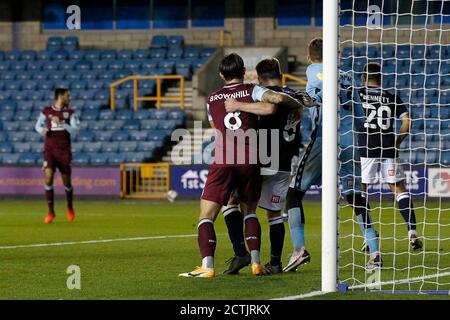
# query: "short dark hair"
(232, 67)
(315, 49)
(372, 70)
(60, 92)
(269, 69)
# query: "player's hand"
(44, 132)
(232, 105)
(305, 99)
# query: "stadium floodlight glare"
(410, 41)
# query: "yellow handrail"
(288, 76)
(226, 33)
(158, 98)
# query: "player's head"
(62, 96)
(232, 67)
(315, 51)
(268, 70)
(372, 74)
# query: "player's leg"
(273, 200)
(49, 194)
(64, 165)
(393, 174)
(309, 172)
(234, 221)
(216, 193)
(248, 181)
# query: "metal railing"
(226, 34)
(145, 180)
(158, 97)
(288, 76)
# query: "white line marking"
(303, 296)
(401, 281)
(96, 241)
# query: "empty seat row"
(400, 51)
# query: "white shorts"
(274, 190)
(391, 171)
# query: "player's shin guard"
(50, 196)
(253, 236)
(407, 211)
(296, 218)
(235, 225)
(277, 232)
(69, 196)
(207, 242)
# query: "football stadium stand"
(28, 78)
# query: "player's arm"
(40, 126)
(259, 108)
(74, 125)
(404, 129)
(279, 98)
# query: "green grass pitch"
(149, 268)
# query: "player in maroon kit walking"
(58, 123)
(231, 169)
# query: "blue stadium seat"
(34, 137)
(158, 54)
(142, 54)
(28, 55)
(54, 43)
(75, 56)
(30, 85)
(77, 147)
(159, 41)
(19, 66)
(44, 55)
(110, 147)
(131, 124)
(125, 54)
(13, 85)
(418, 51)
(3, 135)
(176, 114)
(92, 147)
(120, 136)
(124, 115)
(92, 55)
(102, 95)
(191, 53)
(148, 146)
(403, 51)
(39, 95)
(86, 136)
(159, 114)
(132, 65)
(104, 135)
(127, 146)
(136, 157)
(157, 135)
(8, 75)
(37, 147)
(5, 95)
(138, 135)
(23, 116)
(197, 64)
(115, 125)
(97, 125)
(81, 159)
(167, 125)
(67, 65)
(90, 115)
(5, 66)
(95, 85)
(175, 41)
(433, 52)
(99, 159)
(93, 104)
(106, 115)
(149, 124)
(83, 65)
(12, 55)
(116, 158)
(22, 147)
(141, 114)
(101, 65)
(28, 126)
(16, 136)
(60, 55)
(11, 159)
(445, 124)
(90, 75)
(175, 53)
(149, 64)
(6, 147)
(71, 43)
(73, 75)
(108, 54)
(25, 105)
(56, 75)
(79, 85)
(19, 95)
(116, 65)
(432, 67)
(11, 126)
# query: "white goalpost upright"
(330, 147)
(411, 42)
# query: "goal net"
(410, 40)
